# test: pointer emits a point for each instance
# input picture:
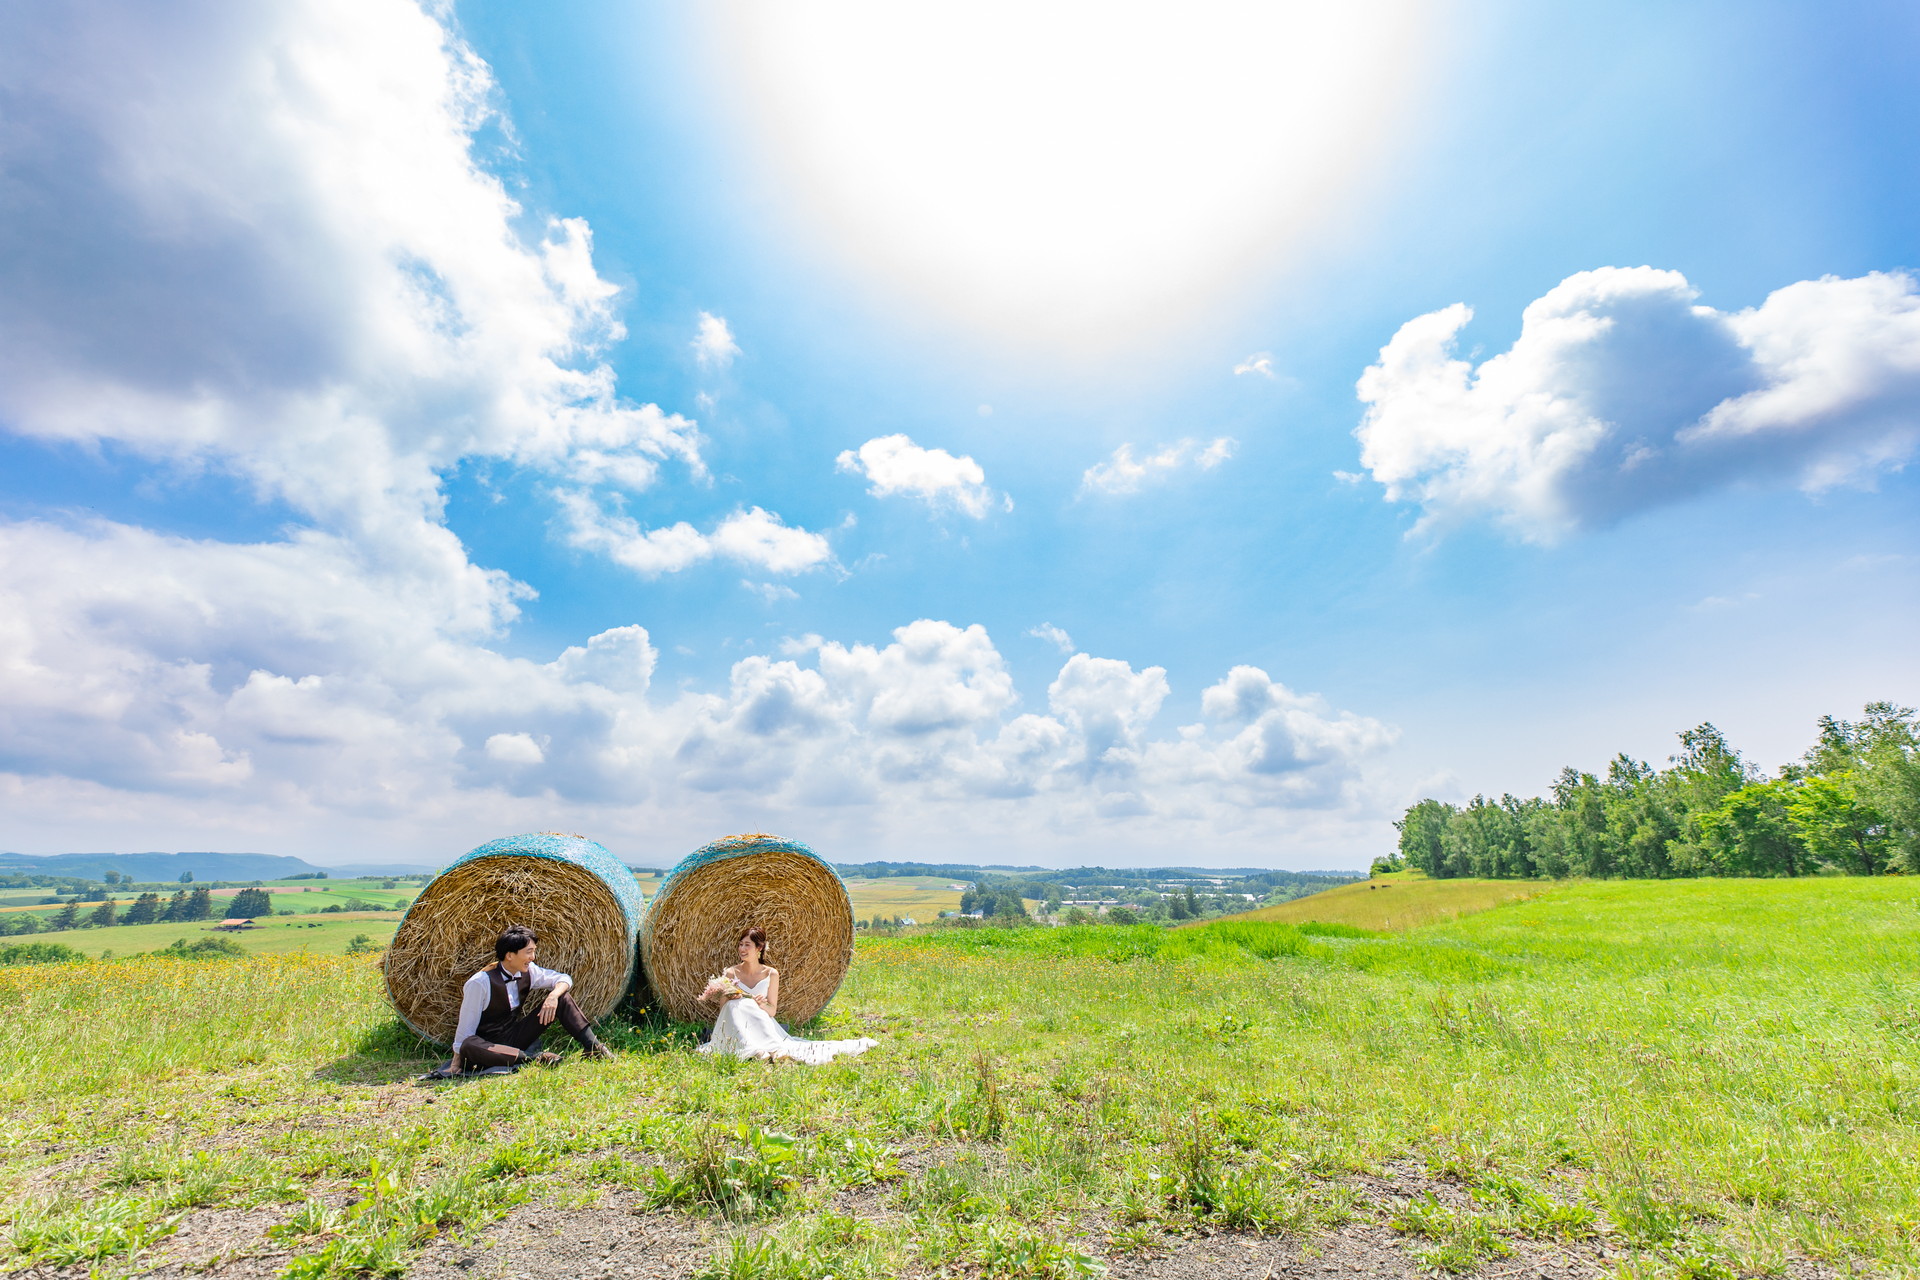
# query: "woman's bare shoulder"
(729, 970)
(775, 972)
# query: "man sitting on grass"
(506, 1007)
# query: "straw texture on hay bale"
(582, 901)
(694, 924)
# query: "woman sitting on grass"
(749, 995)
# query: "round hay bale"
(582, 901)
(693, 928)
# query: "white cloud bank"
(270, 250)
(1622, 393)
(895, 464)
(756, 538)
(1123, 473)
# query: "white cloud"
(270, 251)
(754, 537)
(895, 464)
(1622, 393)
(713, 344)
(515, 748)
(621, 659)
(1259, 362)
(1123, 473)
(771, 592)
(300, 276)
(1055, 636)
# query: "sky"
(1055, 434)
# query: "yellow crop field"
(1391, 903)
(922, 897)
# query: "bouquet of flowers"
(726, 988)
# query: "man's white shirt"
(475, 995)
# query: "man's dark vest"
(498, 1012)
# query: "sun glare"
(1065, 171)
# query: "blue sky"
(362, 365)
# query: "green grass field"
(1712, 1078)
(275, 935)
(1393, 903)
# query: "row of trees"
(184, 906)
(1850, 805)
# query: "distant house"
(235, 925)
(959, 888)
(906, 920)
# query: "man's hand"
(549, 1007)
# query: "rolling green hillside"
(1391, 903)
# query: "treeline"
(1850, 805)
(184, 906)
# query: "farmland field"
(1391, 903)
(922, 897)
(1697, 1079)
(274, 935)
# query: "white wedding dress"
(745, 1030)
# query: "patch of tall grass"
(1709, 1074)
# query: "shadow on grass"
(388, 1053)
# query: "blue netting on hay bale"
(691, 927)
(463, 908)
(580, 851)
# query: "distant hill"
(169, 866)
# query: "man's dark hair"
(516, 938)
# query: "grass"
(1713, 1076)
(1395, 903)
(276, 935)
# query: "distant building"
(235, 925)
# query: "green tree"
(145, 910)
(1584, 841)
(186, 877)
(69, 917)
(102, 916)
(204, 949)
(1751, 833)
(28, 922)
(1838, 826)
(249, 904)
(1122, 915)
(199, 905)
(1423, 834)
(1641, 823)
(1889, 777)
(176, 908)
(1177, 907)
(40, 953)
